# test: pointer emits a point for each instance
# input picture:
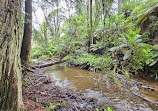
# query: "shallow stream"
(105, 92)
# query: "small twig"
(83, 103)
(75, 107)
(81, 100)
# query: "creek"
(108, 93)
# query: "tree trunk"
(57, 18)
(89, 39)
(91, 36)
(10, 67)
(26, 44)
(103, 4)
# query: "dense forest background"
(100, 35)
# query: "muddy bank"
(122, 93)
(39, 91)
(69, 88)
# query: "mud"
(39, 92)
(64, 88)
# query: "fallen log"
(49, 64)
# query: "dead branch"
(27, 69)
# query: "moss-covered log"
(50, 64)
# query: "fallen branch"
(49, 64)
(27, 69)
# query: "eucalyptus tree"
(70, 7)
(45, 7)
(55, 19)
(10, 66)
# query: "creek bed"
(105, 92)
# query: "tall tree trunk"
(91, 36)
(87, 7)
(26, 44)
(10, 67)
(57, 18)
(103, 4)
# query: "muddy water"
(106, 93)
(152, 95)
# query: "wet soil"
(114, 89)
(40, 92)
(64, 88)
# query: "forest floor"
(41, 94)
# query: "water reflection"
(111, 95)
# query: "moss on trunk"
(10, 67)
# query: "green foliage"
(94, 62)
(35, 52)
(142, 9)
(118, 41)
(132, 46)
(51, 107)
(108, 109)
(154, 57)
(97, 46)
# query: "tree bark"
(10, 67)
(104, 11)
(89, 39)
(26, 44)
(91, 36)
